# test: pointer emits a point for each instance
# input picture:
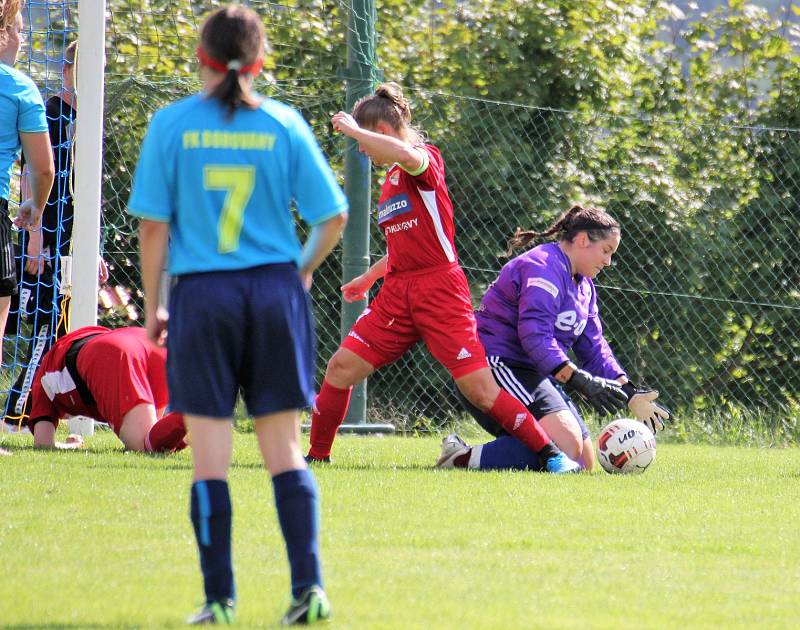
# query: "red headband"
(254, 68)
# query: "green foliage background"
(684, 133)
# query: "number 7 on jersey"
(238, 183)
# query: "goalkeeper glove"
(605, 395)
(642, 403)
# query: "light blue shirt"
(21, 110)
(226, 186)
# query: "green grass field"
(707, 537)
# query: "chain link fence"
(702, 301)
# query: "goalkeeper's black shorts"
(540, 395)
(8, 271)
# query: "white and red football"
(626, 446)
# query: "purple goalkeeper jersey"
(534, 312)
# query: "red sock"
(518, 421)
(329, 411)
(167, 434)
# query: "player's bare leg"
(344, 370)
(480, 388)
(587, 454)
(136, 424)
(279, 440)
(563, 429)
(297, 505)
(143, 430)
(212, 442)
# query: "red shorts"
(122, 370)
(432, 305)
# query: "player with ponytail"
(424, 296)
(222, 52)
(218, 175)
(542, 305)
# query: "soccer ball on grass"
(626, 446)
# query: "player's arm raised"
(320, 201)
(385, 149)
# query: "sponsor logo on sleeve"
(394, 178)
(543, 284)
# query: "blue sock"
(211, 517)
(298, 514)
(508, 452)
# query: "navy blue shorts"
(248, 330)
(540, 395)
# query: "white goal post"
(88, 162)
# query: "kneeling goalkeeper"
(543, 305)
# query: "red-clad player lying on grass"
(116, 376)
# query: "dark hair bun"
(393, 92)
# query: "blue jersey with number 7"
(226, 185)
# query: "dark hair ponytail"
(230, 92)
(232, 41)
(597, 224)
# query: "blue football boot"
(560, 464)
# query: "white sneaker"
(452, 447)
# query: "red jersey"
(416, 216)
(120, 367)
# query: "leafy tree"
(538, 105)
